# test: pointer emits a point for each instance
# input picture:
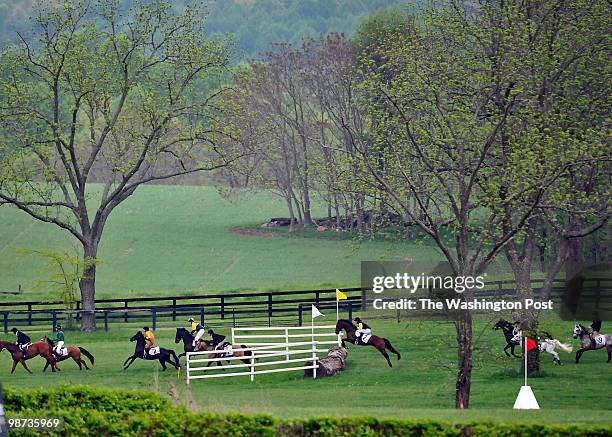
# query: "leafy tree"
(91, 96)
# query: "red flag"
(531, 343)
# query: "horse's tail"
(391, 348)
(88, 355)
(563, 346)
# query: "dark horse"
(185, 336)
(74, 352)
(509, 334)
(41, 348)
(379, 343)
(164, 356)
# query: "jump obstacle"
(268, 350)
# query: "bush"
(103, 412)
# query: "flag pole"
(337, 307)
(525, 348)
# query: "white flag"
(316, 312)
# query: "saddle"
(600, 340)
(62, 353)
(363, 339)
(154, 351)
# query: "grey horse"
(585, 342)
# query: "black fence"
(278, 308)
(239, 309)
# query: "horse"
(510, 332)
(41, 348)
(582, 332)
(185, 336)
(74, 352)
(549, 345)
(164, 356)
(378, 342)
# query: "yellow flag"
(340, 295)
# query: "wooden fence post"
(300, 314)
(222, 307)
(106, 320)
(5, 322)
(154, 322)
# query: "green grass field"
(420, 385)
(179, 240)
(170, 240)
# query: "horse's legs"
(46, 365)
(555, 357)
(386, 355)
(162, 361)
(609, 354)
(579, 353)
(14, 365)
(128, 359)
(512, 351)
(25, 366)
(506, 349)
(132, 358)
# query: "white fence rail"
(261, 336)
(262, 357)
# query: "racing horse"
(185, 336)
(378, 342)
(41, 348)
(510, 333)
(164, 356)
(601, 341)
(74, 352)
(549, 344)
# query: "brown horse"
(41, 348)
(74, 352)
(378, 342)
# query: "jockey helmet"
(58, 327)
(191, 320)
(357, 319)
(146, 328)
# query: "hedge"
(101, 412)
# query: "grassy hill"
(182, 239)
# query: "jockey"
(148, 334)
(22, 341)
(59, 337)
(198, 329)
(217, 339)
(362, 328)
(596, 328)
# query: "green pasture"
(420, 385)
(180, 240)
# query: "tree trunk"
(87, 284)
(464, 352)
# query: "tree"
(92, 96)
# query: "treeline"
(255, 23)
(485, 127)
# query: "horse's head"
(579, 331)
(180, 334)
(346, 325)
(137, 337)
(500, 324)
